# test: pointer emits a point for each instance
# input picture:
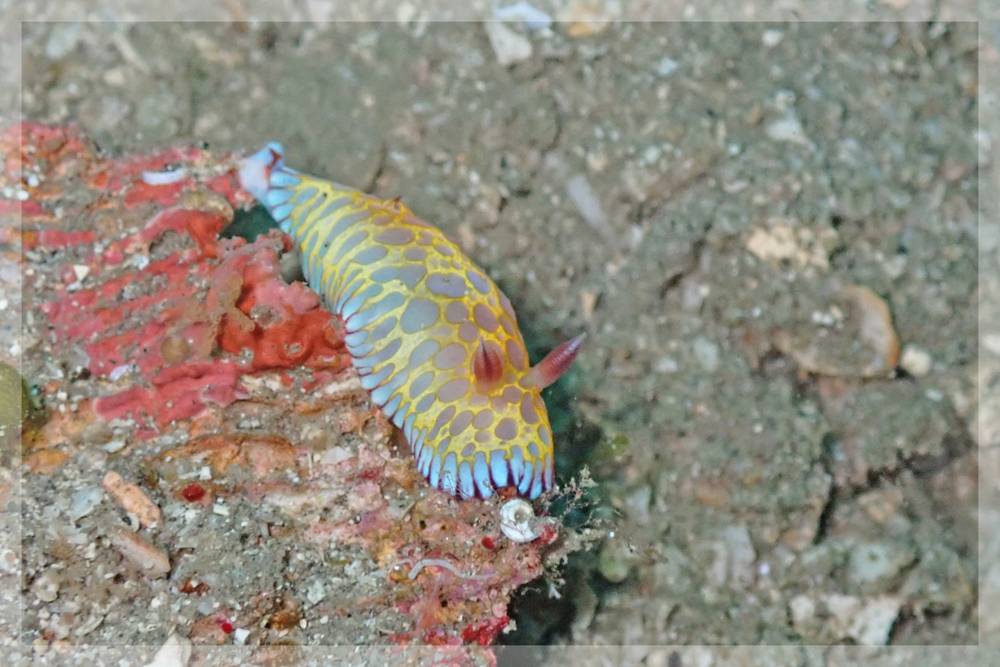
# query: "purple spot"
(506, 429)
(483, 419)
(453, 390)
(485, 318)
(478, 280)
(515, 352)
(415, 254)
(395, 236)
(468, 331)
(460, 423)
(447, 284)
(418, 315)
(456, 312)
(450, 356)
(528, 413)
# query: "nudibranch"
(434, 340)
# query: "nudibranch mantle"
(435, 342)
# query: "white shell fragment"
(517, 520)
(175, 652)
(164, 177)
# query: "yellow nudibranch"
(432, 337)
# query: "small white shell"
(164, 177)
(517, 520)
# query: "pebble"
(638, 504)
(741, 556)
(132, 499)
(46, 587)
(584, 18)
(989, 601)
(175, 652)
(522, 11)
(866, 621)
(9, 561)
(696, 656)
(615, 560)
(62, 40)
(508, 46)
(880, 561)
(666, 66)
(651, 154)
(143, 555)
(772, 38)
(802, 611)
(875, 327)
(84, 502)
(666, 365)
(315, 592)
(113, 446)
(915, 360)
(788, 129)
(985, 145)
(706, 352)
(89, 625)
(587, 204)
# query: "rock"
(915, 360)
(132, 499)
(741, 556)
(587, 204)
(706, 352)
(666, 365)
(638, 504)
(989, 599)
(880, 561)
(788, 129)
(802, 610)
(615, 560)
(84, 502)
(866, 621)
(153, 562)
(10, 562)
(62, 40)
(46, 587)
(864, 344)
(666, 66)
(771, 38)
(780, 242)
(584, 18)
(508, 46)
(525, 13)
(175, 652)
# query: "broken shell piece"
(864, 345)
(517, 519)
(131, 497)
(153, 562)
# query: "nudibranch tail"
(433, 339)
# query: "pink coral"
(175, 322)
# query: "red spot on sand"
(486, 633)
(193, 492)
